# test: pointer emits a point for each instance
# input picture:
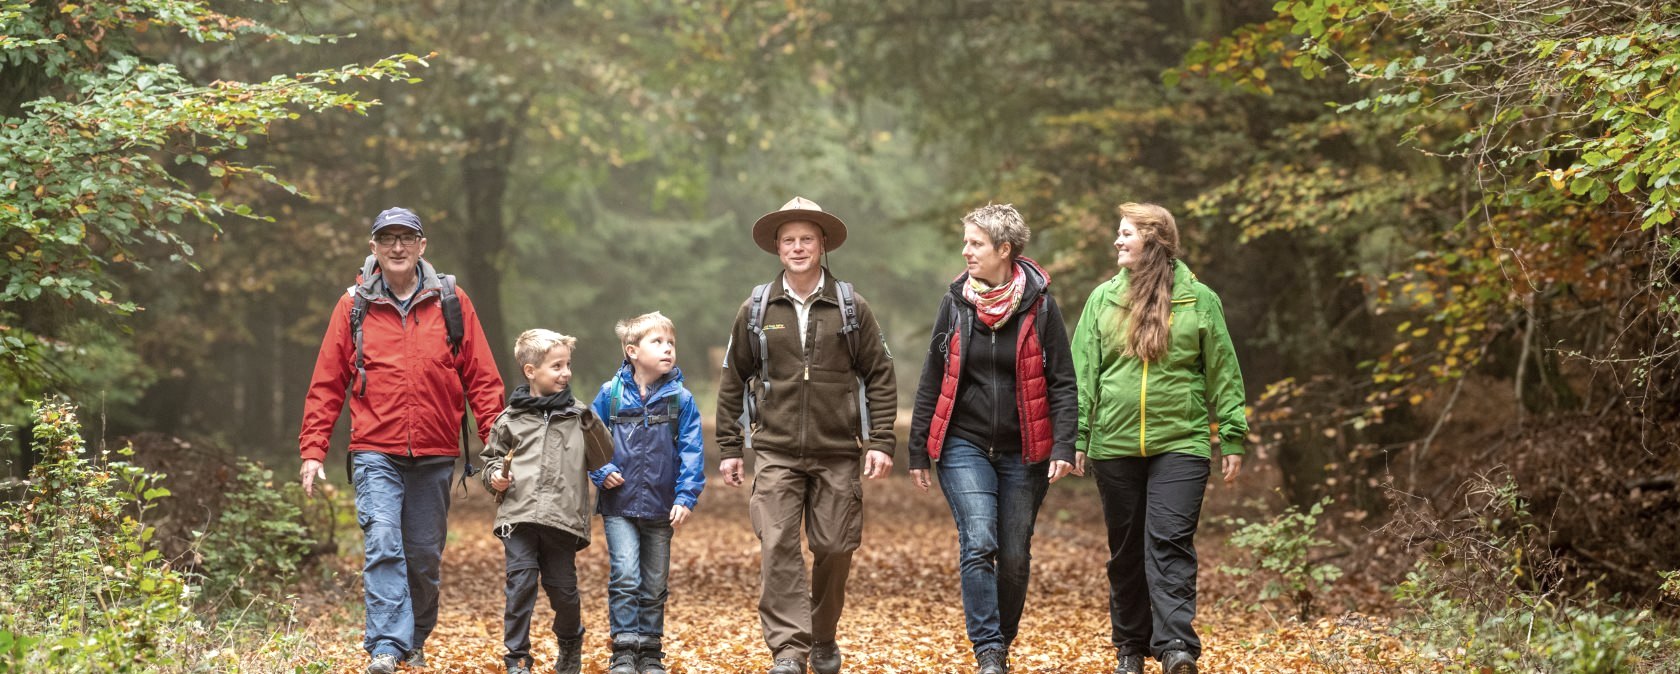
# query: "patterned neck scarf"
(995, 305)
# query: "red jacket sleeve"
(327, 385)
(480, 379)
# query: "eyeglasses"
(388, 240)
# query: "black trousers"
(533, 550)
(1151, 506)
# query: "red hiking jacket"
(413, 400)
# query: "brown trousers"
(827, 494)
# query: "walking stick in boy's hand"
(507, 474)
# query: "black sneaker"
(624, 648)
(651, 656)
(993, 661)
(825, 657)
(1128, 664)
(787, 666)
(1178, 662)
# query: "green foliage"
(108, 156)
(1486, 596)
(1278, 558)
(85, 588)
(257, 544)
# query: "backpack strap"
(612, 402)
(358, 311)
(760, 344)
(453, 325)
(849, 324)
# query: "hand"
(920, 475)
(876, 464)
(1059, 470)
(502, 480)
(1231, 466)
(311, 471)
(1079, 464)
(612, 480)
(679, 515)
(731, 469)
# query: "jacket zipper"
(1143, 411)
(991, 452)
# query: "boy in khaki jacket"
(537, 463)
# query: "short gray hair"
(1003, 225)
(533, 345)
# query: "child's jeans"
(640, 550)
(534, 549)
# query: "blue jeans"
(402, 504)
(995, 503)
(640, 552)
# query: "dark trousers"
(1151, 506)
(533, 550)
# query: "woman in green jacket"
(1152, 357)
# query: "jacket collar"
(778, 288)
(664, 386)
(371, 282)
(1184, 280)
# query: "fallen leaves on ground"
(903, 606)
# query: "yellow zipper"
(1143, 410)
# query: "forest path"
(903, 606)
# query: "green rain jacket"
(1128, 407)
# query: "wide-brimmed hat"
(798, 208)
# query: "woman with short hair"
(995, 412)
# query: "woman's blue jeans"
(994, 500)
(639, 550)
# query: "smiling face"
(800, 246)
(985, 260)
(1128, 244)
(655, 354)
(398, 249)
(551, 375)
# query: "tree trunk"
(484, 177)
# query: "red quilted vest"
(1032, 392)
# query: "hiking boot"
(384, 663)
(416, 658)
(825, 657)
(519, 669)
(993, 661)
(1178, 662)
(1130, 663)
(650, 658)
(624, 647)
(787, 666)
(570, 657)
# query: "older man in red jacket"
(405, 345)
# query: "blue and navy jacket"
(657, 447)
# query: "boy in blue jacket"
(649, 487)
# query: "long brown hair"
(1150, 295)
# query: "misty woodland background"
(1443, 233)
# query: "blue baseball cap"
(397, 216)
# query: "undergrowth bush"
(84, 588)
(1489, 595)
(1276, 561)
(257, 545)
